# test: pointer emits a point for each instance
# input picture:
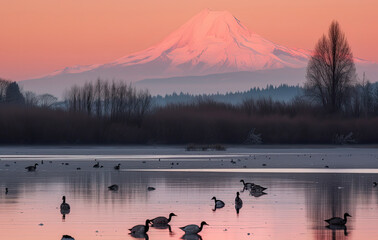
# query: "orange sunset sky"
(40, 36)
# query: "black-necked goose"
(64, 207)
(140, 229)
(117, 167)
(67, 237)
(193, 229)
(32, 168)
(238, 202)
(338, 220)
(6, 190)
(375, 184)
(97, 165)
(162, 220)
(113, 187)
(218, 203)
(257, 188)
(246, 185)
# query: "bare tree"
(3, 87)
(46, 100)
(30, 99)
(331, 70)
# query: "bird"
(32, 168)
(151, 188)
(218, 203)
(375, 184)
(64, 207)
(193, 229)
(138, 229)
(246, 185)
(257, 188)
(6, 190)
(113, 187)
(97, 165)
(117, 167)
(162, 220)
(238, 202)
(337, 220)
(67, 237)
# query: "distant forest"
(283, 93)
(117, 113)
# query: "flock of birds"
(140, 231)
(191, 231)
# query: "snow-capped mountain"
(212, 42)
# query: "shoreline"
(158, 157)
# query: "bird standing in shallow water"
(337, 220)
(162, 220)
(64, 207)
(238, 203)
(246, 185)
(193, 229)
(117, 167)
(375, 184)
(32, 168)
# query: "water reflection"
(191, 237)
(296, 206)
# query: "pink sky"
(41, 36)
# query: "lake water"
(294, 207)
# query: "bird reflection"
(238, 203)
(256, 194)
(338, 227)
(191, 237)
(140, 235)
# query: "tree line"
(117, 101)
(332, 104)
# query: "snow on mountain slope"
(212, 42)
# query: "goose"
(218, 203)
(64, 207)
(140, 229)
(67, 237)
(32, 168)
(162, 220)
(257, 188)
(246, 185)
(238, 202)
(113, 187)
(337, 220)
(117, 167)
(375, 184)
(193, 229)
(97, 165)
(6, 190)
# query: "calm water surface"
(294, 208)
